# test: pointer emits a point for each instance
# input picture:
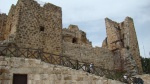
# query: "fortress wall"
(3, 20)
(113, 34)
(131, 41)
(12, 21)
(73, 35)
(122, 40)
(38, 27)
(68, 35)
(43, 73)
(98, 56)
(32, 26)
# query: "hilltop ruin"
(29, 25)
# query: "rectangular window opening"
(42, 28)
(19, 78)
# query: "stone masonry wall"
(37, 27)
(29, 25)
(3, 19)
(122, 40)
(113, 34)
(98, 56)
(132, 42)
(42, 73)
(68, 35)
(73, 35)
(12, 22)
(78, 47)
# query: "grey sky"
(89, 16)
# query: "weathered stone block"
(2, 58)
(3, 63)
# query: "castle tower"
(122, 40)
(33, 26)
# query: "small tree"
(145, 65)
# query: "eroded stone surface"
(122, 40)
(33, 26)
(3, 19)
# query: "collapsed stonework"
(74, 35)
(78, 47)
(121, 39)
(3, 19)
(29, 25)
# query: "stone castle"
(29, 25)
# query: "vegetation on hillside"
(146, 65)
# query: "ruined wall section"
(122, 40)
(113, 34)
(74, 35)
(39, 27)
(68, 35)
(78, 47)
(3, 20)
(98, 56)
(113, 41)
(129, 62)
(131, 41)
(12, 22)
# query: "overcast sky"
(89, 16)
